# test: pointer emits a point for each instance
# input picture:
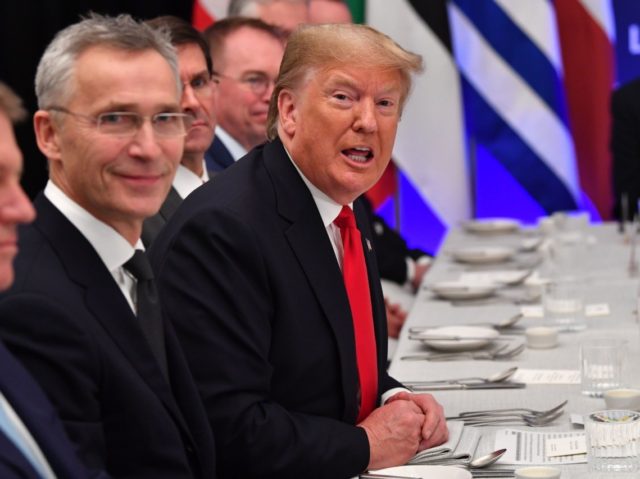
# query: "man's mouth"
(358, 154)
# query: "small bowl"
(622, 399)
(544, 472)
(541, 337)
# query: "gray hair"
(11, 104)
(248, 8)
(122, 32)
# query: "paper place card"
(547, 376)
(530, 447)
(532, 311)
(566, 446)
(600, 309)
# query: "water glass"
(601, 365)
(613, 441)
(563, 304)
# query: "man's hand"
(395, 318)
(394, 433)
(421, 269)
(434, 428)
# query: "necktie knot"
(346, 218)
(139, 266)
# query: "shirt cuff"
(391, 392)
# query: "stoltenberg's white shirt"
(112, 248)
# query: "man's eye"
(166, 118)
(198, 82)
(113, 118)
(340, 96)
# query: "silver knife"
(447, 387)
(386, 476)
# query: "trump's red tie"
(354, 271)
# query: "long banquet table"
(604, 269)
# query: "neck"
(193, 163)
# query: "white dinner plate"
(479, 337)
(483, 254)
(492, 226)
(435, 472)
(454, 290)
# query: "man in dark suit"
(198, 101)
(82, 315)
(246, 53)
(625, 146)
(289, 356)
(42, 449)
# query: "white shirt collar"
(328, 208)
(236, 150)
(186, 180)
(114, 250)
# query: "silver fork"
(498, 353)
(526, 419)
(522, 410)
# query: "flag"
(509, 54)
(587, 37)
(430, 145)
(206, 11)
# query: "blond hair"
(11, 104)
(314, 48)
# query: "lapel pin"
(369, 244)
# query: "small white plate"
(439, 472)
(453, 290)
(480, 337)
(483, 255)
(492, 226)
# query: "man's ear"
(288, 112)
(47, 134)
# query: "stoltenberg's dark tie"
(148, 307)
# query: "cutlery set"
(503, 352)
(521, 416)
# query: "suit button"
(190, 450)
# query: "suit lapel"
(310, 243)
(217, 157)
(19, 390)
(104, 299)
(170, 204)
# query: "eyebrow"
(341, 79)
(165, 107)
(201, 73)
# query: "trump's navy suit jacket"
(68, 322)
(257, 297)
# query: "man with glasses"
(83, 315)
(246, 53)
(197, 101)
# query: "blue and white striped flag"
(509, 54)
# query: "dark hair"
(182, 33)
(216, 34)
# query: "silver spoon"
(487, 460)
(507, 323)
(494, 378)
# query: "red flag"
(201, 18)
(586, 36)
(386, 186)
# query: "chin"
(6, 277)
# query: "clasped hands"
(406, 424)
